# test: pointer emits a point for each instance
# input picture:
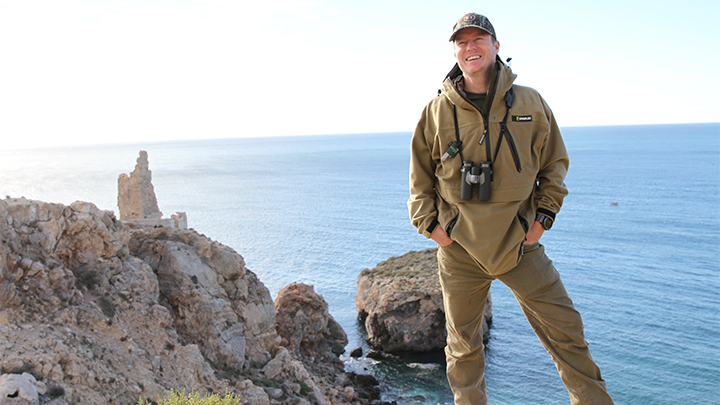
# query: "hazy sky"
(105, 71)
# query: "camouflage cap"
(473, 20)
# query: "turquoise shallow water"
(644, 273)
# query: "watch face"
(547, 223)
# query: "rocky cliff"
(400, 302)
(94, 312)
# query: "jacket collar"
(503, 78)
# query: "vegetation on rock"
(180, 398)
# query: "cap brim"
(452, 37)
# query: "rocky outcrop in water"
(94, 312)
(400, 302)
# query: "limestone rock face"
(400, 302)
(136, 194)
(215, 301)
(82, 315)
(98, 313)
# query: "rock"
(18, 389)
(218, 304)
(366, 386)
(86, 317)
(101, 313)
(285, 367)
(400, 302)
(253, 395)
(275, 393)
(306, 326)
(356, 352)
(381, 355)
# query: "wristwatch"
(545, 221)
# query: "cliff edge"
(94, 312)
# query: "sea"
(637, 244)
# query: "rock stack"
(400, 302)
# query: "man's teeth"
(473, 58)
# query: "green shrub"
(180, 398)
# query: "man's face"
(475, 51)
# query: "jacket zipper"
(504, 131)
(449, 227)
(486, 126)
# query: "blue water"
(644, 273)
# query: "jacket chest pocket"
(518, 149)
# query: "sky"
(76, 72)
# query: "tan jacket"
(491, 231)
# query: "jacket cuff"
(428, 226)
(546, 212)
(432, 227)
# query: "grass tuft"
(180, 398)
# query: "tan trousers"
(545, 302)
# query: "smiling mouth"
(472, 58)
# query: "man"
(486, 180)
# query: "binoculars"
(480, 175)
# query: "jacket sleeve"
(421, 204)
(554, 163)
